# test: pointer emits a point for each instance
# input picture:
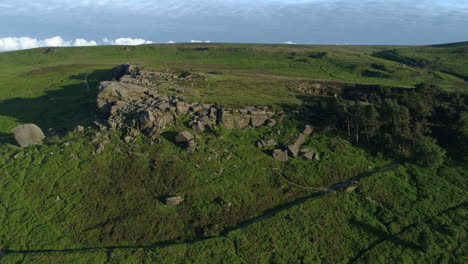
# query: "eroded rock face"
(27, 135)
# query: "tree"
(428, 153)
(371, 123)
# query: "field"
(63, 202)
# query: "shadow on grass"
(58, 111)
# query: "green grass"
(110, 207)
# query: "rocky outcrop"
(131, 106)
(27, 135)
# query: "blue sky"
(89, 22)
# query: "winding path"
(267, 214)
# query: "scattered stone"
(66, 144)
(219, 171)
(280, 155)
(174, 200)
(58, 198)
(28, 134)
(128, 139)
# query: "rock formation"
(28, 134)
(131, 106)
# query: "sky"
(28, 24)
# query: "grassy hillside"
(65, 202)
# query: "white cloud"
(290, 43)
(200, 41)
(83, 42)
(128, 41)
(170, 42)
(14, 43)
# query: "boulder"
(199, 127)
(164, 106)
(280, 155)
(307, 154)
(300, 140)
(146, 119)
(153, 132)
(184, 136)
(164, 119)
(182, 108)
(28, 134)
(174, 200)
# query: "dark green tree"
(427, 153)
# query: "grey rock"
(280, 155)
(111, 92)
(300, 140)
(293, 150)
(79, 129)
(308, 130)
(28, 134)
(271, 122)
(199, 127)
(146, 119)
(266, 143)
(174, 200)
(307, 154)
(317, 156)
(258, 120)
(184, 136)
(191, 146)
